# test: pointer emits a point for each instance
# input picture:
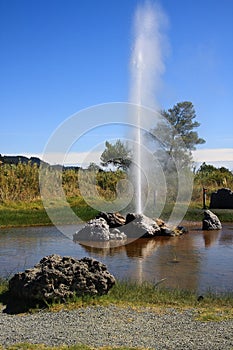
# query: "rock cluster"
(57, 278)
(113, 226)
(211, 221)
(98, 230)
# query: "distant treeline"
(20, 159)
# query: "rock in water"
(113, 219)
(57, 278)
(94, 230)
(140, 225)
(98, 230)
(211, 221)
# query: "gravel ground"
(101, 326)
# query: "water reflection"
(210, 237)
(197, 261)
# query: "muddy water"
(199, 260)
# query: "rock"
(178, 231)
(135, 225)
(140, 225)
(166, 231)
(113, 219)
(116, 234)
(160, 222)
(57, 278)
(182, 230)
(94, 230)
(98, 230)
(211, 221)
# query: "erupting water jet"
(146, 68)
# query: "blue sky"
(59, 57)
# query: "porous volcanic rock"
(211, 221)
(57, 278)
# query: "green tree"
(209, 175)
(176, 136)
(94, 167)
(118, 155)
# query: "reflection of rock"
(98, 230)
(112, 219)
(59, 278)
(144, 248)
(103, 249)
(210, 221)
(210, 238)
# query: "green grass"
(213, 306)
(195, 212)
(16, 214)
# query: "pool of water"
(199, 260)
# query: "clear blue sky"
(58, 57)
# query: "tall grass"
(20, 198)
(21, 182)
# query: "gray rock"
(211, 221)
(140, 225)
(57, 278)
(94, 230)
(98, 230)
(116, 234)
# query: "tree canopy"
(209, 175)
(118, 155)
(176, 135)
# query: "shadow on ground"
(14, 306)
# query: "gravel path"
(100, 326)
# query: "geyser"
(146, 67)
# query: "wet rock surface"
(58, 278)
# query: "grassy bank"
(16, 214)
(209, 307)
